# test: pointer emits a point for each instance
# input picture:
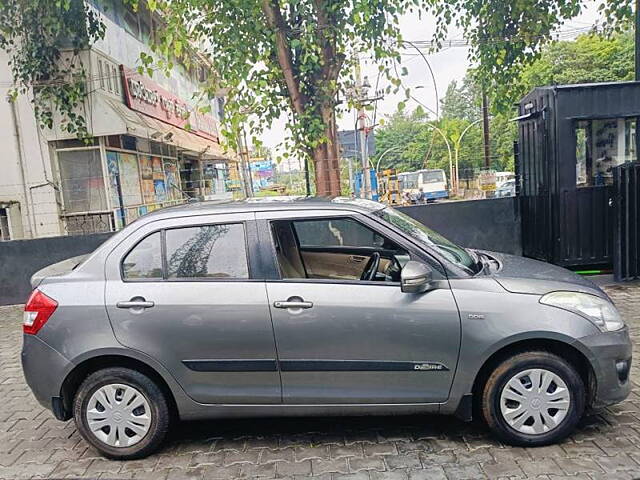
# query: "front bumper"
(610, 357)
(43, 369)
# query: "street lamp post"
(457, 149)
(390, 149)
(446, 141)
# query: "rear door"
(359, 342)
(186, 293)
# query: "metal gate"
(534, 194)
(626, 241)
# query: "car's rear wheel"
(533, 398)
(122, 413)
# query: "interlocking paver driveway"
(34, 444)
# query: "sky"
(448, 65)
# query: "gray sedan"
(313, 307)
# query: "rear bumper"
(610, 356)
(43, 369)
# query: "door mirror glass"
(416, 277)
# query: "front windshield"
(423, 234)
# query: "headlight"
(598, 310)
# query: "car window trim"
(163, 250)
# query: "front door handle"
(295, 304)
(137, 303)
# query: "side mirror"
(415, 277)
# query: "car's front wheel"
(122, 413)
(533, 398)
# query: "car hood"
(525, 275)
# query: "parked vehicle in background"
(313, 307)
(507, 189)
(504, 177)
(432, 184)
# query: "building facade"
(150, 147)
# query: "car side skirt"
(246, 411)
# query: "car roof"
(266, 204)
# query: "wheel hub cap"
(118, 415)
(535, 401)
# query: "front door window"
(336, 249)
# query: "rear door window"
(207, 251)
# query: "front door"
(345, 340)
(182, 292)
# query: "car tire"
(133, 403)
(553, 408)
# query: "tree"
(461, 101)
(590, 58)
(35, 32)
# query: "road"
(34, 444)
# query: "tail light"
(37, 311)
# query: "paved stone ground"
(34, 444)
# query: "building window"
(82, 181)
(4, 224)
(116, 80)
(602, 145)
(128, 142)
(219, 108)
(210, 251)
(131, 22)
(108, 76)
(101, 74)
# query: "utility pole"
(361, 95)
(485, 129)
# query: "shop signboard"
(487, 181)
(147, 97)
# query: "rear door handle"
(138, 304)
(287, 304)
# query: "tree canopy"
(285, 57)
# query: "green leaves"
(508, 36)
(35, 32)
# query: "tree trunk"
(326, 158)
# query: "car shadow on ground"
(242, 434)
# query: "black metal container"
(571, 138)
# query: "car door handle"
(287, 304)
(135, 304)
